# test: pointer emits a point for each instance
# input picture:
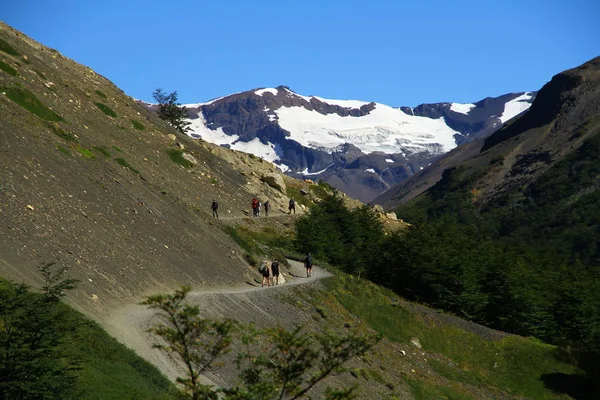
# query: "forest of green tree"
(527, 263)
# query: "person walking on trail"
(308, 264)
(292, 205)
(266, 274)
(215, 209)
(267, 206)
(275, 272)
(254, 207)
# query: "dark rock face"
(250, 115)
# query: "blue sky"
(394, 52)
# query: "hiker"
(258, 207)
(267, 206)
(308, 264)
(215, 208)
(266, 274)
(254, 207)
(275, 272)
(292, 205)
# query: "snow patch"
(305, 172)
(516, 106)
(385, 129)
(389, 160)
(258, 148)
(462, 108)
(371, 170)
(216, 136)
(283, 167)
(266, 90)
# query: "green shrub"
(64, 151)
(106, 109)
(5, 47)
(125, 164)
(103, 150)
(177, 157)
(28, 101)
(99, 93)
(86, 153)
(115, 148)
(69, 137)
(137, 125)
(8, 69)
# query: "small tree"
(290, 365)
(55, 283)
(33, 362)
(171, 111)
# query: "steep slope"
(92, 179)
(360, 148)
(524, 213)
(563, 115)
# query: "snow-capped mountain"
(359, 147)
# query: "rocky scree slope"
(566, 111)
(361, 148)
(93, 180)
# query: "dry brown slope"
(122, 233)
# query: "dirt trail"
(129, 324)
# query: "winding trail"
(130, 323)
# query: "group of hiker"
(257, 205)
(270, 272)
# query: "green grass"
(65, 151)
(124, 163)
(294, 193)
(106, 109)
(110, 370)
(116, 148)
(8, 69)
(512, 364)
(137, 125)
(28, 101)
(422, 390)
(5, 47)
(103, 150)
(66, 136)
(322, 189)
(86, 153)
(177, 157)
(99, 93)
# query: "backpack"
(309, 261)
(292, 203)
(275, 267)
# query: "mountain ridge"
(362, 148)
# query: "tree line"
(526, 263)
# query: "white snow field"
(384, 129)
(461, 108)
(515, 107)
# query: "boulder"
(378, 209)
(274, 180)
(391, 216)
(172, 136)
(190, 158)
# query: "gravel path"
(129, 324)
